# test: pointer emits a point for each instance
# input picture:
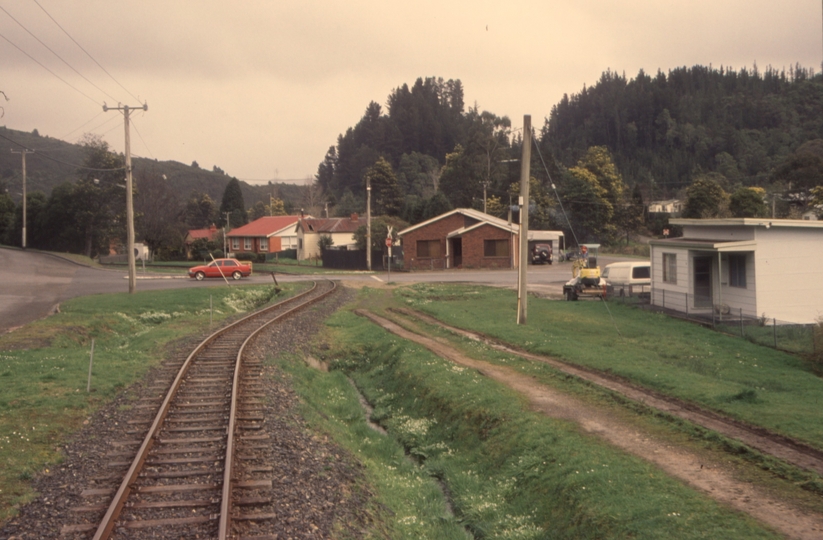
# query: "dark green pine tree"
(233, 204)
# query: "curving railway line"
(195, 463)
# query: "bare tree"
(312, 197)
(2, 110)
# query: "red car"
(221, 268)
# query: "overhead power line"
(50, 71)
(85, 51)
(44, 154)
(54, 53)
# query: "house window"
(495, 248)
(737, 271)
(235, 243)
(264, 244)
(247, 244)
(670, 268)
(300, 243)
(428, 248)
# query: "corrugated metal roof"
(265, 226)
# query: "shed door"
(702, 282)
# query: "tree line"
(757, 137)
(87, 216)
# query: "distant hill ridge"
(55, 161)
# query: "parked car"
(628, 278)
(541, 254)
(221, 268)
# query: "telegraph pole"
(226, 245)
(23, 154)
(368, 224)
(525, 162)
(129, 195)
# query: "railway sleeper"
(185, 473)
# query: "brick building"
(268, 234)
(462, 238)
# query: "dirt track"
(682, 464)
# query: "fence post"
(774, 331)
(741, 323)
(91, 361)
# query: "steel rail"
(109, 520)
(225, 507)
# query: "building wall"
(473, 249)
(789, 271)
(671, 295)
(434, 231)
(311, 243)
(737, 297)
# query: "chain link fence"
(796, 338)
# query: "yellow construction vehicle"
(585, 280)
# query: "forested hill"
(55, 161)
(664, 130)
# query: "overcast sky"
(263, 88)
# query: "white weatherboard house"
(766, 267)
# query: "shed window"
(495, 248)
(670, 268)
(737, 271)
(428, 248)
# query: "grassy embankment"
(512, 473)
(44, 366)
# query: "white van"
(630, 278)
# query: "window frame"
(737, 271)
(235, 243)
(264, 244)
(492, 248)
(426, 253)
(670, 268)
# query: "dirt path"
(789, 450)
(679, 463)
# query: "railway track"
(195, 463)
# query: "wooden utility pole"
(368, 224)
(525, 172)
(23, 154)
(129, 194)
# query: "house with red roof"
(209, 235)
(269, 234)
(340, 230)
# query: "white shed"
(766, 267)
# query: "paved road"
(33, 283)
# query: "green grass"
(511, 473)
(732, 375)
(44, 366)
(416, 503)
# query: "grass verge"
(756, 384)
(510, 473)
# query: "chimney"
(354, 217)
